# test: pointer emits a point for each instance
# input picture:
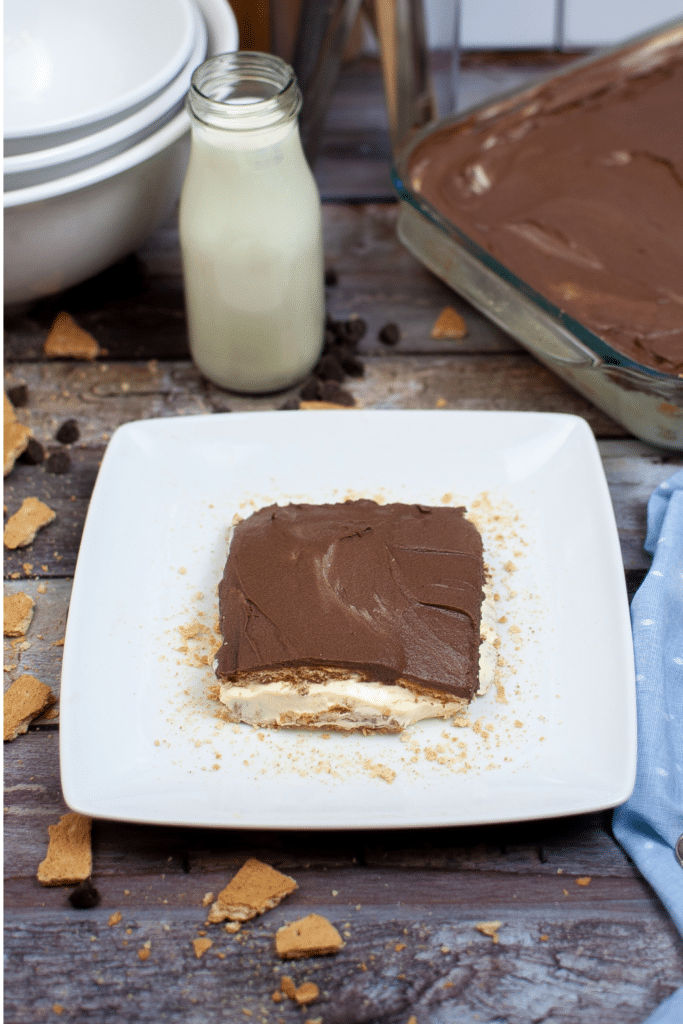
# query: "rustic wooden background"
(406, 901)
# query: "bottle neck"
(244, 92)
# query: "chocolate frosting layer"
(388, 591)
(577, 187)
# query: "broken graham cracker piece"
(303, 995)
(17, 612)
(449, 324)
(309, 936)
(254, 889)
(322, 405)
(489, 928)
(15, 436)
(67, 340)
(21, 528)
(26, 699)
(69, 857)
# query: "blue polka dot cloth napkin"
(650, 823)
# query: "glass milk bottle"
(250, 228)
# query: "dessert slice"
(351, 616)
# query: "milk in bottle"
(250, 228)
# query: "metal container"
(649, 403)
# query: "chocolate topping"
(392, 592)
(577, 187)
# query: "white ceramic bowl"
(78, 63)
(63, 232)
(59, 233)
(24, 170)
(221, 25)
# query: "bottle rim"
(244, 91)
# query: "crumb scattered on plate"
(22, 527)
(254, 889)
(17, 612)
(67, 340)
(26, 698)
(309, 936)
(69, 857)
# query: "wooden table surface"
(407, 901)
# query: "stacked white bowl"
(96, 134)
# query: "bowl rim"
(124, 101)
(151, 116)
(138, 154)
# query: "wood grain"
(563, 965)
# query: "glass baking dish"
(647, 402)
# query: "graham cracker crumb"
(254, 889)
(306, 993)
(208, 898)
(310, 936)
(489, 928)
(69, 857)
(303, 995)
(232, 927)
(22, 527)
(14, 436)
(586, 880)
(26, 698)
(115, 918)
(145, 950)
(449, 324)
(17, 614)
(322, 405)
(67, 340)
(379, 771)
(201, 946)
(287, 985)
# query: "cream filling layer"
(349, 702)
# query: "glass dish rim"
(603, 353)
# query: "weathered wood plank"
(54, 551)
(105, 395)
(39, 653)
(431, 962)
(554, 849)
(136, 309)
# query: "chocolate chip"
(84, 896)
(68, 432)
(310, 392)
(58, 462)
(329, 368)
(330, 391)
(390, 334)
(18, 396)
(355, 328)
(331, 277)
(34, 453)
(352, 366)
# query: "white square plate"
(141, 737)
